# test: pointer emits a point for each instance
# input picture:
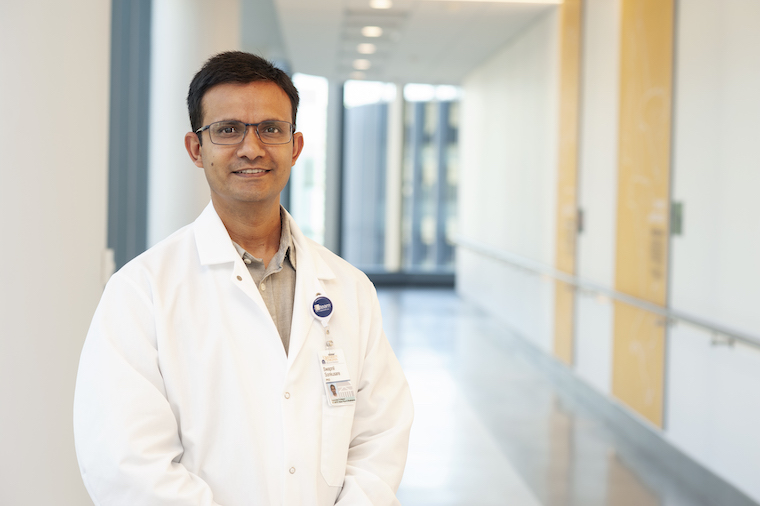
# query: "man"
(169, 406)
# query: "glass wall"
(425, 163)
(307, 179)
(365, 164)
(430, 177)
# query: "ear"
(193, 147)
(297, 147)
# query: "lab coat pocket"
(336, 436)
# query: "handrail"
(671, 315)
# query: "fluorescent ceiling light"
(362, 64)
(380, 4)
(357, 75)
(366, 48)
(372, 31)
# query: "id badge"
(335, 376)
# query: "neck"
(256, 228)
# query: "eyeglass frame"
(255, 126)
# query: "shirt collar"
(286, 250)
(215, 247)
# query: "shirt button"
(263, 287)
(287, 395)
(247, 261)
(292, 470)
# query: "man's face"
(250, 172)
(332, 389)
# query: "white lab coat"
(185, 395)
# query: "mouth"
(250, 171)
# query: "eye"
(269, 128)
(227, 128)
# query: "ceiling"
(422, 41)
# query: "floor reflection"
(492, 429)
(624, 487)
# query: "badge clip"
(322, 309)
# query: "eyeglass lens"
(233, 132)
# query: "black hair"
(235, 67)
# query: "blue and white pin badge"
(322, 309)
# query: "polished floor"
(491, 428)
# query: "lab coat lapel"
(215, 247)
(311, 272)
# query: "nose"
(251, 146)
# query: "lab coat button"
(239, 278)
(292, 470)
(287, 395)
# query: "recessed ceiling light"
(366, 48)
(362, 64)
(372, 31)
(380, 4)
(357, 75)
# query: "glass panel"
(428, 174)
(430, 178)
(364, 173)
(307, 178)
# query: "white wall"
(507, 193)
(185, 33)
(713, 403)
(717, 162)
(53, 136)
(507, 189)
(597, 187)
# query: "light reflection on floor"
(451, 453)
(491, 429)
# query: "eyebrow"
(240, 120)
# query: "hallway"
(496, 424)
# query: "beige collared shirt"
(276, 282)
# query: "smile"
(250, 171)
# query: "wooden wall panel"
(564, 321)
(638, 361)
(643, 201)
(567, 186)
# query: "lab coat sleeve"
(126, 435)
(382, 421)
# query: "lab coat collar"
(215, 246)
(311, 273)
(212, 239)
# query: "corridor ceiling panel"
(422, 41)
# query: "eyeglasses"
(233, 132)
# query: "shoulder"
(350, 287)
(335, 272)
(161, 262)
(340, 267)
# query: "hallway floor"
(492, 428)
